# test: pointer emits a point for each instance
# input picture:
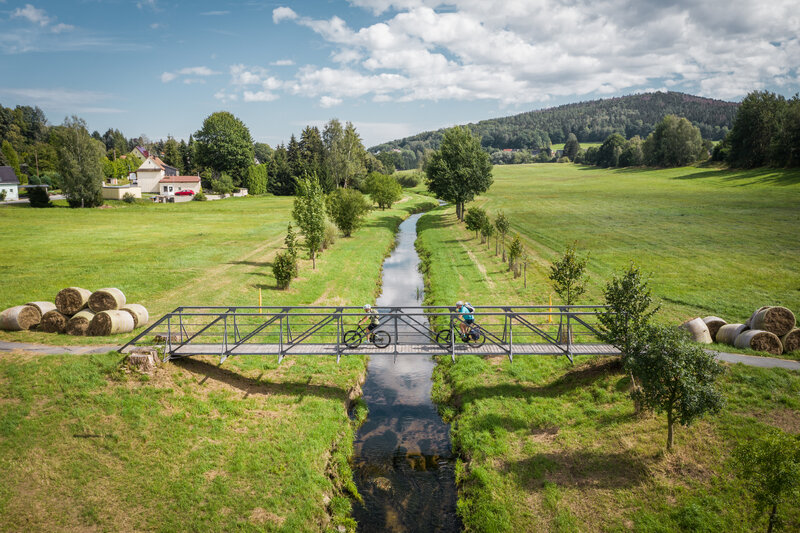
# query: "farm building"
(172, 184)
(9, 183)
(151, 172)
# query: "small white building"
(170, 185)
(9, 183)
(151, 172)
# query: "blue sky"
(392, 67)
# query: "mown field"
(548, 446)
(249, 445)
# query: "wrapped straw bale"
(713, 323)
(43, 307)
(791, 341)
(727, 334)
(79, 323)
(777, 320)
(760, 341)
(72, 299)
(54, 322)
(106, 300)
(20, 317)
(111, 322)
(139, 313)
(698, 329)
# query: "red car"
(187, 192)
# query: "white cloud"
(282, 63)
(225, 97)
(34, 15)
(214, 13)
(519, 51)
(62, 100)
(167, 77)
(156, 25)
(259, 96)
(329, 101)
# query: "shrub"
(38, 197)
(200, 197)
(328, 236)
(384, 190)
(283, 268)
(347, 208)
(563, 159)
(409, 180)
(223, 185)
(128, 198)
(3, 195)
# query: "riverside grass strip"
(547, 446)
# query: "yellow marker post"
(259, 300)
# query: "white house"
(151, 172)
(9, 184)
(172, 184)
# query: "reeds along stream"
(403, 462)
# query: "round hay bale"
(111, 322)
(54, 322)
(698, 329)
(106, 300)
(79, 324)
(727, 334)
(760, 341)
(713, 323)
(20, 317)
(72, 299)
(749, 322)
(43, 307)
(139, 313)
(777, 320)
(791, 341)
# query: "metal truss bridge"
(434, 330)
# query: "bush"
(347, 208)
(409, 180)
(283, 269)
(38, 197)
(3, 195)
(128, 198)
(329, 236)
(200, 197)
(223, 185)
(384, 190)
(563, 159)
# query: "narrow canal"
(403, 462)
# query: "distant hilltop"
(591, 121)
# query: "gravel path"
(750, 360)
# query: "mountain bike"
(354, 337)
(474, 336)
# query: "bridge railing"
(283, 330)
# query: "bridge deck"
(401, 349)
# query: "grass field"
(249, 445)
(547, 446)
(716, 242)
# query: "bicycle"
(474, 337)
(354, 337)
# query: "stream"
(403, 462)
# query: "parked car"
(188, 192)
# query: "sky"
(392, 67)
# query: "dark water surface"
(403, 462)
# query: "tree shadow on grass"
(260, 264)
(764, 176)
(592, 469)
(205, 372)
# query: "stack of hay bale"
(78, 311)
(769, 329)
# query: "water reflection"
(404, 467)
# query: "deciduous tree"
(80, 163)
(347, 208)
(224, 144)
(309, 213)
(568, 275)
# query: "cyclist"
(466, 314)
(372, 316)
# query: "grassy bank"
(246, 446)
(547, 446)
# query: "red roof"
(181, 179)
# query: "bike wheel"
(381, 339)
(443, 339)
(352, 338)
(481, 339)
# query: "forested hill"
(590, 121)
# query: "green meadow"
(247, 446)
(549, 446)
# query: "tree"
(390, 160)
(487, 230)
(222, 185)
(514, 253)
(291, 247)
(475, 219)
(756, 124)
(312, 154)
(283, 269)
(633, 154)
(344, 154)
(281, 180)
(347, 208)
(293, 157)
(309, 213)
(609, 152)
(676, 376)
(384, 190)
(262, 152)
(568, 275)
(172, 155)
(502, 225)
(674, 143)
(12, 160)
(257, 179)
(80, 163)
(460, 169)
(38, 197)
(770, 468)
(224, 144)
(571, 147)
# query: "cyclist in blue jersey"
(466, 314)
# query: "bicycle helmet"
(459, 303)
(367, 307)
